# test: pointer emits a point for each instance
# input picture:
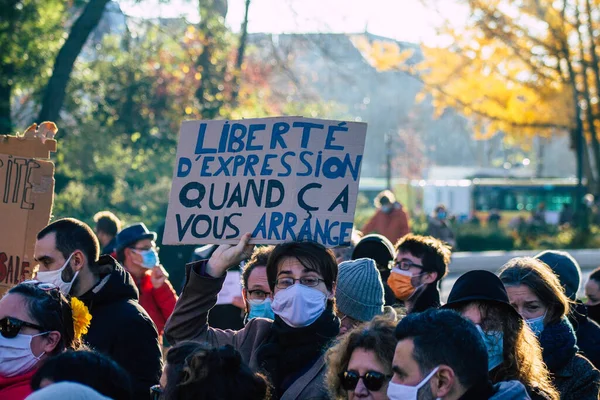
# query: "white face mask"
(299, 305)
(55, 277)
(16, 356)
(397, 391)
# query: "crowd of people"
(364, 322)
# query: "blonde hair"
(376, 336)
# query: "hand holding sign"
(227, 256)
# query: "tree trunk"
(5, 97)
(54, 96)
(240, 56)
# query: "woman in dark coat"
(535, 292)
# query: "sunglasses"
(10, 327)
(155, 392)
(372, 380)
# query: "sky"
(405, 20)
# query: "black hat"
(133, 233)
(375, 247)
(479, 285)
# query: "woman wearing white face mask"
(535, 292)
(290, 349)
(36, 322)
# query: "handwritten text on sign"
(283, 179)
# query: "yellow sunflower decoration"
(81, 317)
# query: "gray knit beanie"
(359, 291)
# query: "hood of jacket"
(115, 284)
(510, 390)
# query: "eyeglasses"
(404, 265)
(10, 327)
(310, 281)
(155, 392)
(258, 294)
(372, 380)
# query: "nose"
(361, 391)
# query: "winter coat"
(588, 333)
(17, 387)
(189, 322)
(158, 303)
(574, 376)
(428, 298)
(121, 329)
(441, 230)
(511, 390)
(392, 225)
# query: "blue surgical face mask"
(149, 258)
(536, 324)
(494, 343)
(441, 215)
(260, 309)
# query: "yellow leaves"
(382, 55)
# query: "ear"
(51, 341)
(430, 277)
(78, 260)
(443, 382)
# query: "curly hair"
(51, 310)
(376, 336)
(197, 371)
(522, 358)
(542, 281)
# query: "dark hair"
(384, 197)
(522, 359)
(311, 255)
(376, 336)
(259, 258)
(445, 337)
(595, 275)
(434, 253)
(542, 281)
(52, 311)
(72, 234)
(88, 368)
(195, 371)
(107, 222)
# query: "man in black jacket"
(569, 274)
(67, 252)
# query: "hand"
(227, 256)
(159, 276)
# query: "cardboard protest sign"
(26, 196)
(282, 179)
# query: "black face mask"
(594, 312)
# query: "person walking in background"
(441, 355)
(68, 254)
(568, 272)
(107, 228)
(359, 366)
(136, 251)
(592, 294)
(390, 219)
(420, 263)
(358, 293)
(513, 350)
(536, 293)
(439, 227)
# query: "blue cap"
(133, 233)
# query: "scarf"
(558, 342)
(428, 298)
(289, 352)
